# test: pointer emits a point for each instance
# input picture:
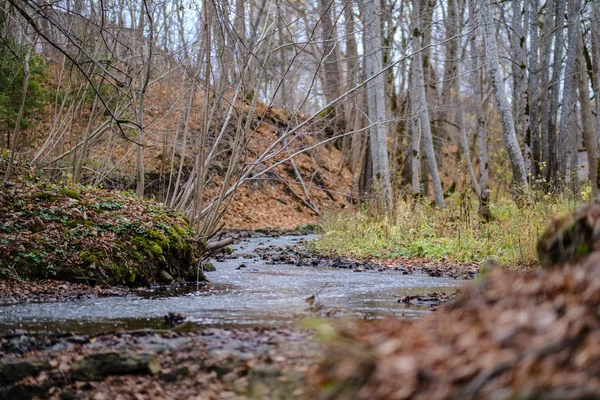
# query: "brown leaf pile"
(513, 335)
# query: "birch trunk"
(376, 106)
(545, 53)
(554, 93)
(569, 91)
(510, 138)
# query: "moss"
(147, 246)
(91, 257)
(100, 238)
(159, 238)
(42, 196)
(156, 249)
(73, 194)
(73, 223)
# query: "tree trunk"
(476, 82)
(587, 119)
(376, 104)
(146, 46)
(510, 138)
(596, 42)
(569, 90)
(415, 154)
(533, 90)
(553, 164)
(332, 82)
(17, 130)
(421, 107)
(545, 54)
(447, 99)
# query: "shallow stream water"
(259, 293)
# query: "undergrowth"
(455, 233)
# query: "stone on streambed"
(164, 276)
(97, 366)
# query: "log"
(15, 370)
(213, 246)
(97, 366)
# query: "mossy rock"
(570, 238)
(73, 194)
(105, 237)
(307, 229)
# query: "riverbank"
(91, 236)
(210, 364)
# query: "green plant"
(419, 230)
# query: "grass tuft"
(455, 233)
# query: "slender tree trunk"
(146, 66)
(519, 53)
(476, 83)
(447, 99)
(533, 99)
(415, 155)
(17, 130)
(587, 119)
(545, 54)
(510, 138)
(553, 164)
(352, 75)
(332, 82)
(422, 109)
(569, 90)
(596, 46)
(376, 106)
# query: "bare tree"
(17, 130)
(533, 93)
(476, 81)
(510, 138)
(376, 103)
(569, 91)
(545, 53)
(596, 41)
(421, 108)
(587, 120)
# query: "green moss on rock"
(106, 237)
(73, 194)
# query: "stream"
(245, 290)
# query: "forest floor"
(214, 363)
